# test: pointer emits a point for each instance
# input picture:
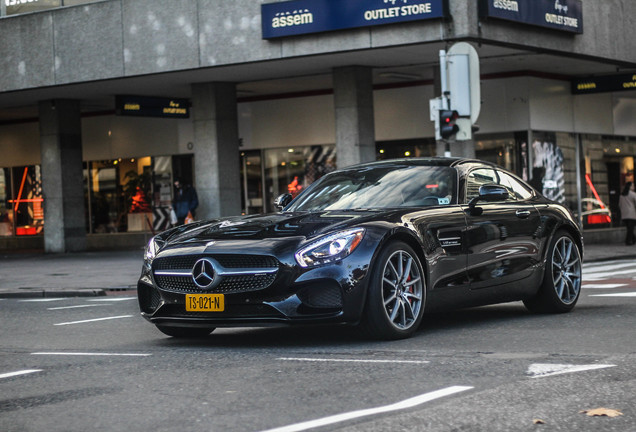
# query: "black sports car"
(377, 244)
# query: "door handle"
(522, 214)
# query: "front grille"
(186, 262)
(228, 283)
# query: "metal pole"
(579, 192)
(443, 77)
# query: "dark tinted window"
(380, 187)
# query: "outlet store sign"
(563, 15)
(314, 16)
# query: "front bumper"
(331, 293)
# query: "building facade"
(103, 104)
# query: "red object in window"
(26, 230)
(598, 219)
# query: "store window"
(120, 195)
(6, 209)
(405, 149)
(21, 202)
(133, 194)
(504, 150)
(252, 182)
(290, 170)
(608, 166)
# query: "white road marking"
(608, 265)
(302, 359)
(629, 294)
(603, 286)
(92, 354)
(541, 370)
(42, 300)
(606, 274)
(93, 320)
(18, 373)
(75, 307)
(405, 404)
(109, 299)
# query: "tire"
(185, 332)
(397, 294)
(561, 284)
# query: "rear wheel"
(397, 294)
(561, 285)
(185, 332)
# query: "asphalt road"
(88, 364)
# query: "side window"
(478, 178)
(517, 190)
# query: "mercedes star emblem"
(203, 273)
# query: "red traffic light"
(447, 126)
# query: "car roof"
(422, 161)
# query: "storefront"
(247, 100)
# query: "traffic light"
(447, 126)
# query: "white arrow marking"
(541, 370)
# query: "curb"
(53, 293)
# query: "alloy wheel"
(402, 289)
(566, 270)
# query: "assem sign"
(314, 16)
(563, 15)
(605, 83)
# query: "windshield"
(380, 187)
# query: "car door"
(501, 237)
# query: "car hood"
(275, 225)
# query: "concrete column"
(355, 125)
(216, 150)
(62, 184)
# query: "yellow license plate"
(205, 303)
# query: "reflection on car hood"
(276, 225)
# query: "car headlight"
(152, 248)
(330, 248)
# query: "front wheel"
(185, 332)
(561, 284)
(397, 294)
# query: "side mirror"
(282, 201)
(489, 193)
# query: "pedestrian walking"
(627, 204)
(185, 202)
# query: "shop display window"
(6, 209)
(252, 182)
(608, 166)
(290, 170)
(120, 192)
(405, 148)
(21, 202)
(131, 194)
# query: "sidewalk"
(97, 273)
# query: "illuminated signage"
(298, 17)
(145, 106)
(607, 83)
(24, 6)
(564, 15)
